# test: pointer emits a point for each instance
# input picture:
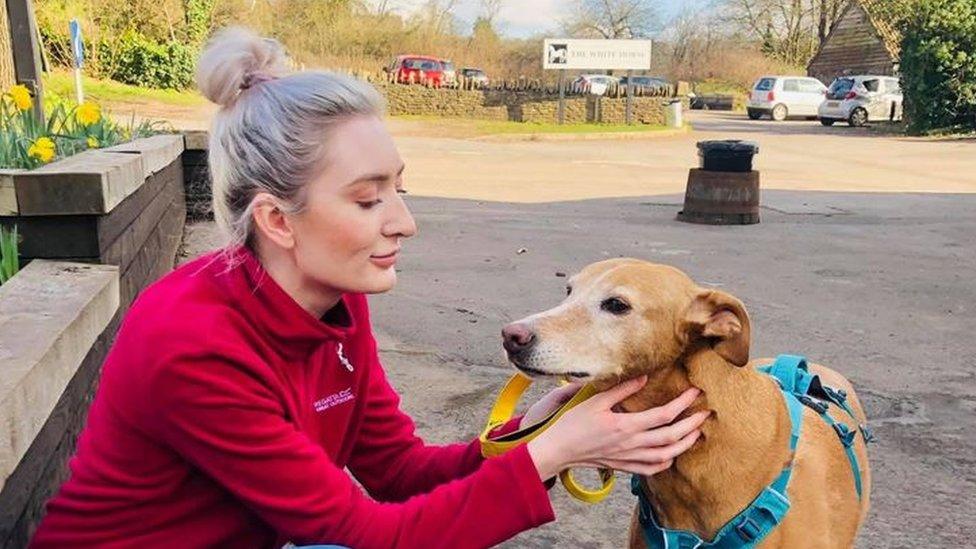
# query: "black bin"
(731, 155)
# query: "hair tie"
(254, 78)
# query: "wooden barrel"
(721, 198)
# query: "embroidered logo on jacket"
(335, 399)
(342, 357)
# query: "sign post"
(630, 97)
(561, 109)
(27, 51)
(78, 53)
(570, 53)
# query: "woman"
(243, 384)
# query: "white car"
(858, 100)
(593, 84)
(782, 96)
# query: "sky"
(524, 18)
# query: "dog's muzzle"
(518, 341)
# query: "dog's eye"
(615, 306)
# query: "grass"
(9, 262)
(474, 127)
(62, 84)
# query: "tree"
(439, 15)
(939, 67)
(790, 30)
(611, 19)
(490, 10)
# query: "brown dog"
(624, 318)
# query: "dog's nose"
(517, 338)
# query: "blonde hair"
(272, 131)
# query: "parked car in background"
(476, 76)
(780, 97)
(416, 69)
(595, 84)
(862, 99)
(450, 74)
(646, 83)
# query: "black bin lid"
(737, 146)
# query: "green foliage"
(938, 65)
(9, 262)
(139, 61)
(198, 19)
(130, 58)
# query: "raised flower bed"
(98, 220)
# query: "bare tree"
(611, 19)
(791, 30)
(490, 10)
(440, 14)
(829, 12)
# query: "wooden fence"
(7, 77)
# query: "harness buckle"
(837, 395)
(845, 434)
(818, 406)
(866, 433)
(748, 530)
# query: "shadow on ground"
(879, 287)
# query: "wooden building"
(864, 40)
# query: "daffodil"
(21, 96)
(88, 113)
(92, 142)
(42, 149)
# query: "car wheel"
(779, 113)
(827, 121)
(754, 114)
(858, 118)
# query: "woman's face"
(347, 238)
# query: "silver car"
(862, 99)
(783, 96)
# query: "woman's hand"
(548, 404)
(593, 435)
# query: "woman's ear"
(271, 221)
(720, 317)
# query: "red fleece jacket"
(226, 415)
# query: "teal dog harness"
(800, 389)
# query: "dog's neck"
(744, 445)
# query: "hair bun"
(236, 58)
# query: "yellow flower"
(88, 113)
(21, 96)
(43, 149)
(92, 143)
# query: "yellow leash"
(504, 409)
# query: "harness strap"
(793, 375)
(746, 529)
(800, 389)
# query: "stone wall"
(525, 105)
(122, 208)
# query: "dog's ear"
(718, 316)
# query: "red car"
(417, 69)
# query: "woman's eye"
(401, 191)
(369, 203)
(615, 306)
